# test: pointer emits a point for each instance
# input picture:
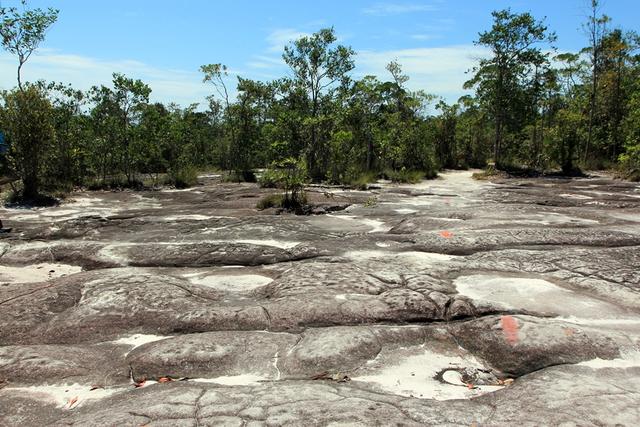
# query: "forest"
(533, 110)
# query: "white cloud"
(424, 37)
(168, 85)
(437, 70)
(386, 9)
(279, 38)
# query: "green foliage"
(185, 177)
(27, 118)
(290, 175)
(371, 202)
(363, 180)
(584, 111)
(22, 32)
(507, 83)
(271, 201)
(405, 175)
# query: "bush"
(243, 176)
(115, 183)
(270, 178)
(184, 177)
(27, 119)
(361, 182)
(630, 164)
(404, 175)
(270, 201)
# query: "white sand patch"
(576, 196)
(137, 340)
(83, 202)
(211, 230)
(193, 217)
(445, 219)
(417, 201)
(235, 283)
(145, 202)
(532, 294)
(619, 322)
(405, 211)
(36, 272)
(383, 244)
(375, 225)
(60, 212)
(633, 217)
(110, 253)
(410, 257)
(366, 255)
(627, 359)
(177, 190)
(414, 376)
(68, 396)
(244, 379)
(267, 242)
(424, 258)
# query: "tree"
(317, 68)
(596, 28)
(27, 118)
(22, 32)
(120, 108)
(500, 79)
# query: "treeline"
(532, 108)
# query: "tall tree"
(27, 119)
(22, 32)
(500, 79)
(318, 66)
(596, 28)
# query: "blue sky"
(164, 42)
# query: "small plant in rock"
(291, 176)
(184, 177)
(371, 202)
(270, 201)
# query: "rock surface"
(449, 302)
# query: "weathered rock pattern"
(449, 302)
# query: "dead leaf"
(569, 331)
(506, 382)
(72, 401)
(446, 234)
(164, 379)
(510, 329)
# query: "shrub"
(404, 175)
(184, 177)
(270, 178)
(362, 181)
(270, 201)
(239, 176)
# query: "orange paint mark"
(510, 329)
(446, 234)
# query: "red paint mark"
(510, 329)
(446, 234)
